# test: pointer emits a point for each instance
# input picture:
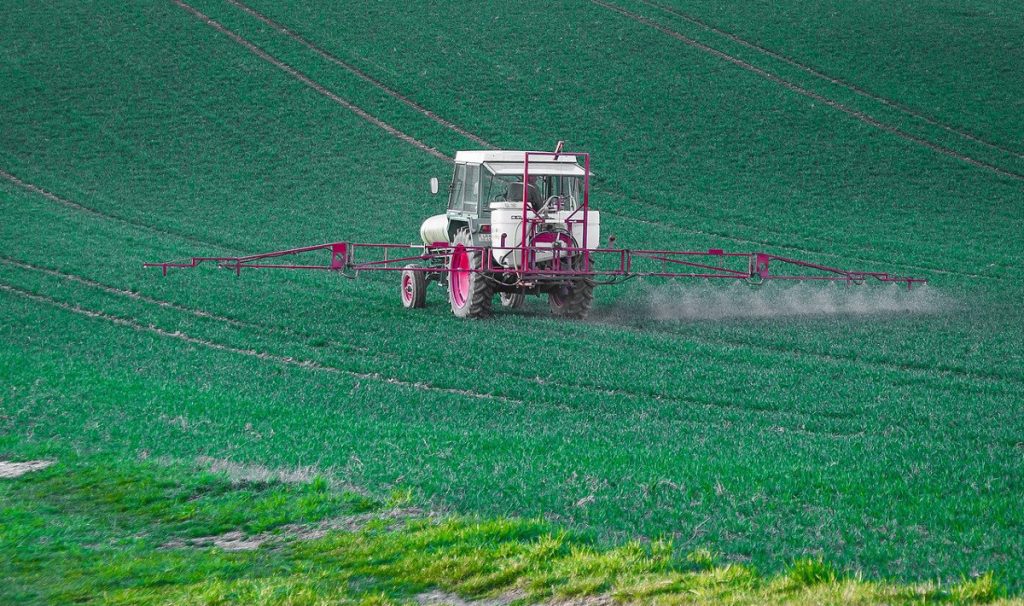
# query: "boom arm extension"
(609, 263)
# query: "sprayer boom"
(520, 223)
(607, 265)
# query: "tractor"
(497, 201)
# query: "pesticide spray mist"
(695, 301)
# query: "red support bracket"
(339, 256)
(760, 265)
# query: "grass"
(887, 443)
(117, 531)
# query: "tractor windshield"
(541, 188)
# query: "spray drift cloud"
(693, 302)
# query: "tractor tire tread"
(481, 295)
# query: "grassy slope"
(766, 439)
(130, 532)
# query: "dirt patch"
(592, 600)
(11, 469)
(236, 540)
(243, 472)
(447, 598)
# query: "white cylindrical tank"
(434, 229)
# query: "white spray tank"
(434, 229)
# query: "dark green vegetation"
(890, 444)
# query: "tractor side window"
(569, 188)
(472, 195)
(458, 181)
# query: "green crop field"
(876, 432)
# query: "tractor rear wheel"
(414, 287)
(469, 291)
(573, 299)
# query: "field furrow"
(878, 428)
(800, 90)
(859, 90)
(742, 230)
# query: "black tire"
(470, 293)
(413, 288)
(512, 300)
(574, 299)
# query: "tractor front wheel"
(513, 300)
(414, 287)
(469, 291)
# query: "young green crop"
(880, 441)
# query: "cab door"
(464, 196)
(455, 189)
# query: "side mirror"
(433, 185)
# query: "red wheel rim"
(459, 277)
(557, 299)
(407, 289)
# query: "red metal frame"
(611, 264)
(626, 264)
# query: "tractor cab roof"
(505, 162)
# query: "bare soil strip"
(236, 540)
(854, 113)
(15, 469)
(303, 78)
(832, 79)
(285, 360)
(360, 73)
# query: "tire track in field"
(359, 73)
(796, 353)
(906, 109)
(460, 130)
(303, 78)
(203, 313)
(317, 366)
(136, 325)
(796, 88)
(194, 311)
(107, 216)
(598, 389)
(591, 387)
(253, 353)
(261, 327)
(790, 352)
